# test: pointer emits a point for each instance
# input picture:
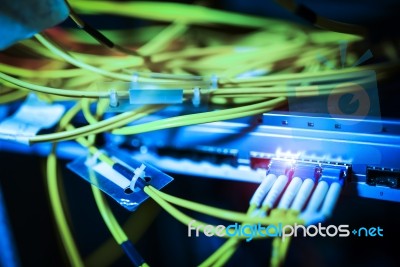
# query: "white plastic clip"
(113, 99)
(135, 78)
(214, 82)
(196, 100)
(139, 172)
(93, 159)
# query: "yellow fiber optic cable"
(58, 211)
(191, 14)
(203, 117)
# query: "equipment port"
(260, 160)
(383, 177)
(213, 155)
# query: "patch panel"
(383, 177)
(255, 146)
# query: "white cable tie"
(114, 98)
(135, 77)
(139, 172)
(214, 82)
(93, 159)
(196, 100)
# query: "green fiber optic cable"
(329, 75)
(102, 126)
(31, 73)
(226, 256)
(86, 111)
(12, 96)
(229, 245)
(237, 100)
(192, 52)
(204, 117)
(70, 59)
(134, 227)
(35, 47)
(58, 51)
(124, 118)
(275, 254)
(107, 215)
(218, 253)
(183, 218)
(58, 211)
(88, 82)
(163, 38)
(66, 236)
(284, 248)
(191, 14)
(204, 209)
(69, 115)
(49, 90)
(105, 211)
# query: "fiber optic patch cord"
(181, 116)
